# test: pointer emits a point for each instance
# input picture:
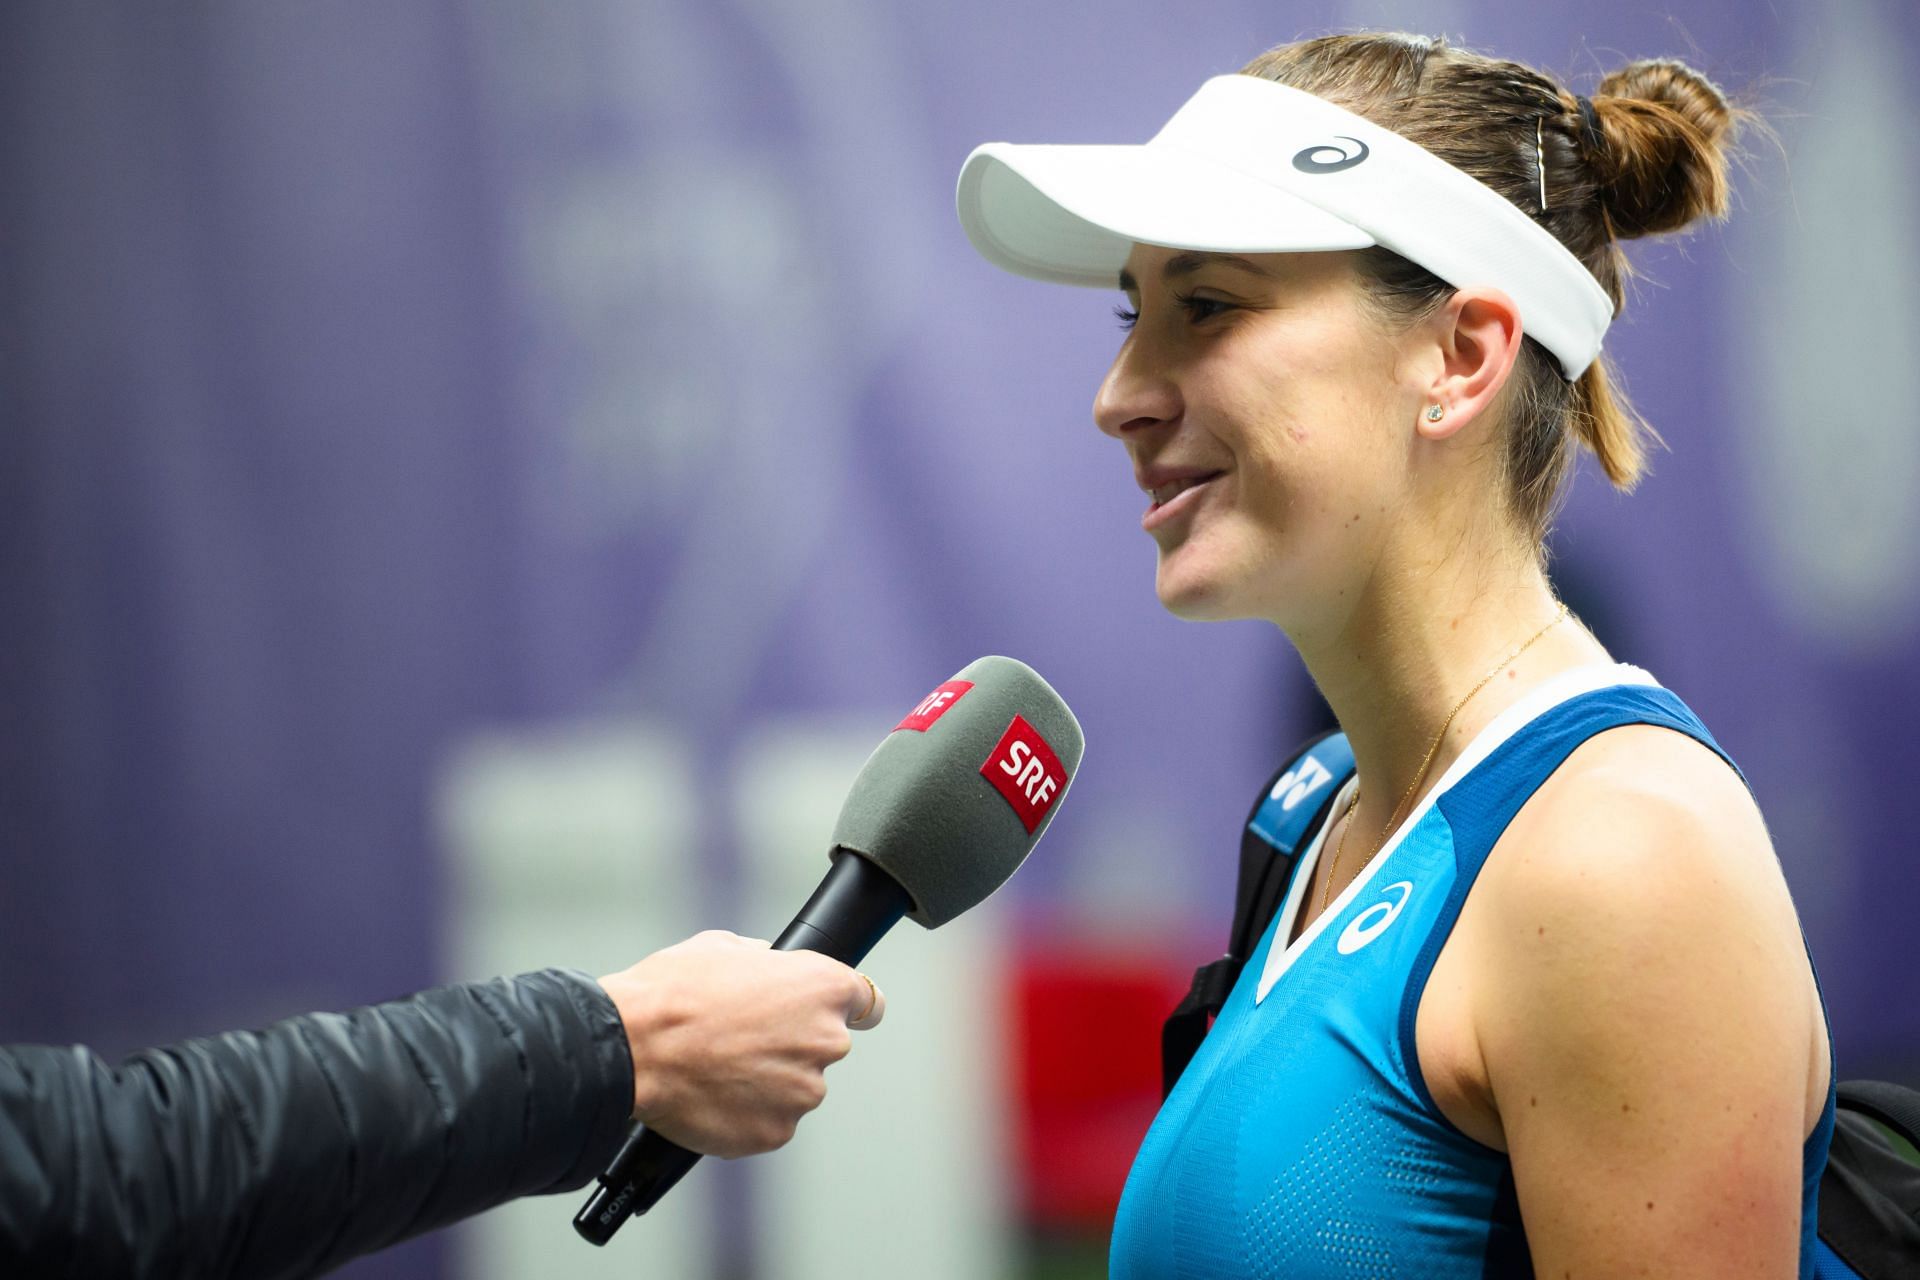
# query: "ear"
(1479, 335)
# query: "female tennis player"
(1536, 1001)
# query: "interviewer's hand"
(731, 1040)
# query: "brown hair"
(1648, 155)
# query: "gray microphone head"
(952, 801)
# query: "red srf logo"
(1024, 769)
(934, 705)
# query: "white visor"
(1251, 166)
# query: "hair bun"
(1664, 164)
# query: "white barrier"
(900, 1172)
(572, 845)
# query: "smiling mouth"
(1163, 494)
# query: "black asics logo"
(1327, 158)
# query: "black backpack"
(1870, 1192)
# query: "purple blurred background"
(372, 374)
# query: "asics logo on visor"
(1315, 159)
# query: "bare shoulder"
(1652, 1043)
(1639, 878)
(1642, 821)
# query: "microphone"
(945, 810)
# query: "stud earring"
(1435, 412)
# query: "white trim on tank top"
(1530, 706)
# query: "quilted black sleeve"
(287, 1151)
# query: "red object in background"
(1085, 1053)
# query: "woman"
(1537, 1000)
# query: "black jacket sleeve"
(288, 1151)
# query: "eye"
(1201, 308)
(1197, 309)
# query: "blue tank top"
(1301, 1141)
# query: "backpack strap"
(1293, 806)
(1870, 1189)
(1896, 1107)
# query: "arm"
(290, 1150)
(294, 1148)
(1651, 1033)
(287, 1151)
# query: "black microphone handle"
(852, 910)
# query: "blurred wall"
(377, 380)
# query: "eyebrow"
(1185, 264)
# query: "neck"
(1422, 636)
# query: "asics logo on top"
(1299, 782)
(1327, 158)
(1368, 925)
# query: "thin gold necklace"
(1333, 870)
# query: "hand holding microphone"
(944, 811)
(451, 1101)
(730, 1038)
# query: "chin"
(1195, 597)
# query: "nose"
(1137, 392)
